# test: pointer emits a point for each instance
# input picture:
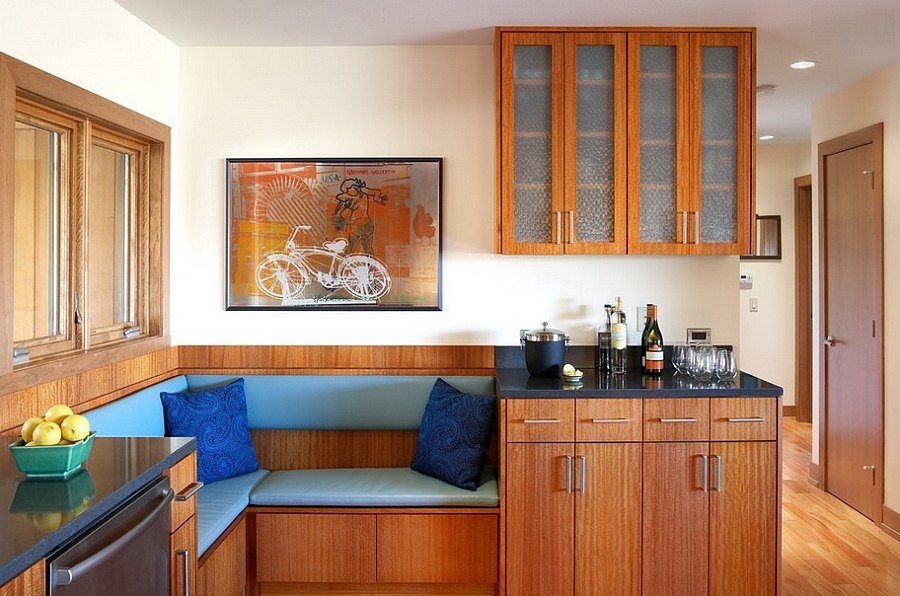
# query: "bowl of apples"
(53, 446)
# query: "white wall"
(97, 45)
(871, 100)
(768, 336)
(397, 101)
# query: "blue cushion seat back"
(339, 402)
(137, 415)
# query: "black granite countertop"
(37, 517)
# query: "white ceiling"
(848, 38)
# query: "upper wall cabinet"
(571, 181)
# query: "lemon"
(47, 522)
(75, 427)
(29, 426)
(47, 433)
(58, 413)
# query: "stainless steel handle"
(583, 472)
(684, 227)
(186, 577)
(678, 420)
(829, 340)
(559, 227)
(568, 473)
(719, 481)
(189, 492)
(571, 228)
(67, 575)
(610, 420)
(704, 474)
(747, 419)
(696, 227)
(871, 469)
(542, 421)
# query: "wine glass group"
(704, 363)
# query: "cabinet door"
(594, 219)
(723, 100)
(743, 516)
(28, 583)
(659, 202)
(608, 519)
(676, 519)
(539, 519)
(531, 86)
(183, 559)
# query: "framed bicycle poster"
(339, 234)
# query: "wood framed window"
(83, 228)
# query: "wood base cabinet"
(183, 535)
(28, 583)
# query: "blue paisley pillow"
(454, 435)
(218, 419)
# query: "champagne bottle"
(618, 332)
(652, 344)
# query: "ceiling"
(848, 39)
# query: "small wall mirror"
(768, 238)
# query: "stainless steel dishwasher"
(125, 553)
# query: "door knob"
(829, 340)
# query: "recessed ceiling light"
(802, 64)
(766, 137)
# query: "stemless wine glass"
(703, 363)
(726, 365)
(680, 357)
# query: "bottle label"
(653, 359)
(618, 336)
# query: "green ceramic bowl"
(51, 461)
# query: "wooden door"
(539, 519)
(803, 292)
(743, 502)
(608, 519)
(675, 519)
(530, 134)
(854, 444)
(183, 559)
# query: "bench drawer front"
(744, 418)
(540, 420)
(308, 547)
(437, 548)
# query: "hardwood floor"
(827, 547)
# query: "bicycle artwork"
(334, 233)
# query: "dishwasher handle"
(66, 575)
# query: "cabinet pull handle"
(583, 472)
(559, 227)
(568, 473)
(571, 228)
(704, 474)
(185, 578)
(610, 420)
(684, 229)
(696, 227)
(747, 419)
(542, 421)
(678, 420)
(189, 491)
(719, 481)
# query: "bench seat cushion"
(220, 503)
(370, 487)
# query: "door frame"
(803, 206)
(873, 134)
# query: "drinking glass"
(726, 365)
(680, 357)
(702, 363)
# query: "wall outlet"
(754, 304)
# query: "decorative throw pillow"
(218, 419)
(454, 435)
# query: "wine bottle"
(652, 344)
(604, 350)
(618, 336)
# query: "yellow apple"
(58, 413)
(75, 427)
(47, 433)
(29, 426)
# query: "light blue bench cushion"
(220, 503)
(370, 487)
(339, 402)
(137, 415)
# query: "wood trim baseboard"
(814, 474)
(890, 522)
(789, 411)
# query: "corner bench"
(334, 501)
